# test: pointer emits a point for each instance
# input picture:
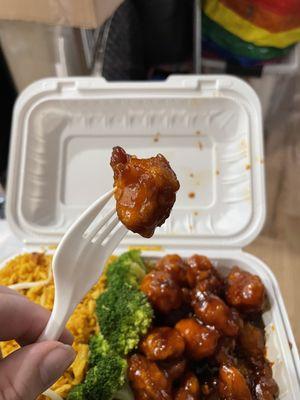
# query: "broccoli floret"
(107, 380)
(129, 268)
(124, 315)
(99, 347)
(106, 377)
(76, 393)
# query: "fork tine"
(90, 234)
(107, 230)
(83, 222)
(116, 238)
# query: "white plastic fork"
(79, 260)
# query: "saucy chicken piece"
(201, 273)
(189, 388)
(145, 190)
(212, 310)
(175, 265)
(265, 386)
(162, 343)
(252, 342)
(233, 385)
(200, 341)
(162, 291)
(204, 325)
(199, 268)
(245, 291)
(147, 380)
(212, 284)
(237, 317)
(225, 351)
(174, 369)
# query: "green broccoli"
(98, 347)
(129, 267)
(76, 393)
(124, 315)
(107, 380)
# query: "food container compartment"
(208, 127)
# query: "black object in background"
(119, 48)
(167, 30)
(7, 98)
(236, 69)
(145, 36)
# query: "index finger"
(23, 320)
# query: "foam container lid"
(208, 127)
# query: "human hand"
(33, 368)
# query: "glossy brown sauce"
(145, 190)
(207, 341)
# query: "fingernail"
(55, 363)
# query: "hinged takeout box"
(208, 127)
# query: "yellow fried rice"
(34, 267)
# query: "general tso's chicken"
(162, 291)
(212, 284)
(233, 385)
(201, 341)
(162, 343)
(145, 190)
(265, 386)
(245, 291)
(252, 341)
(147, 380)
(174, 369)
(206, 340)
(225, 351)
(199, 268)
(175, 265)
(201, 273)
(212, 310)
(189, 388)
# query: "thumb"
(30, 370)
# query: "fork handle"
(56, 323)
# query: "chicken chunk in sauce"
(265, 386)
(162, 343)
(201, 341)
(162, 291)
(174, 369)
(202, 274)
(207, 340)
(252, 341)
(189, 388)
(145, 190)
(233, 385)
(175, 265)
(245, 291)
(225, 353)
(213, 311)
(147, 379)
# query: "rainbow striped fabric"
(251, 31)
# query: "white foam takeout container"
(208, 127)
